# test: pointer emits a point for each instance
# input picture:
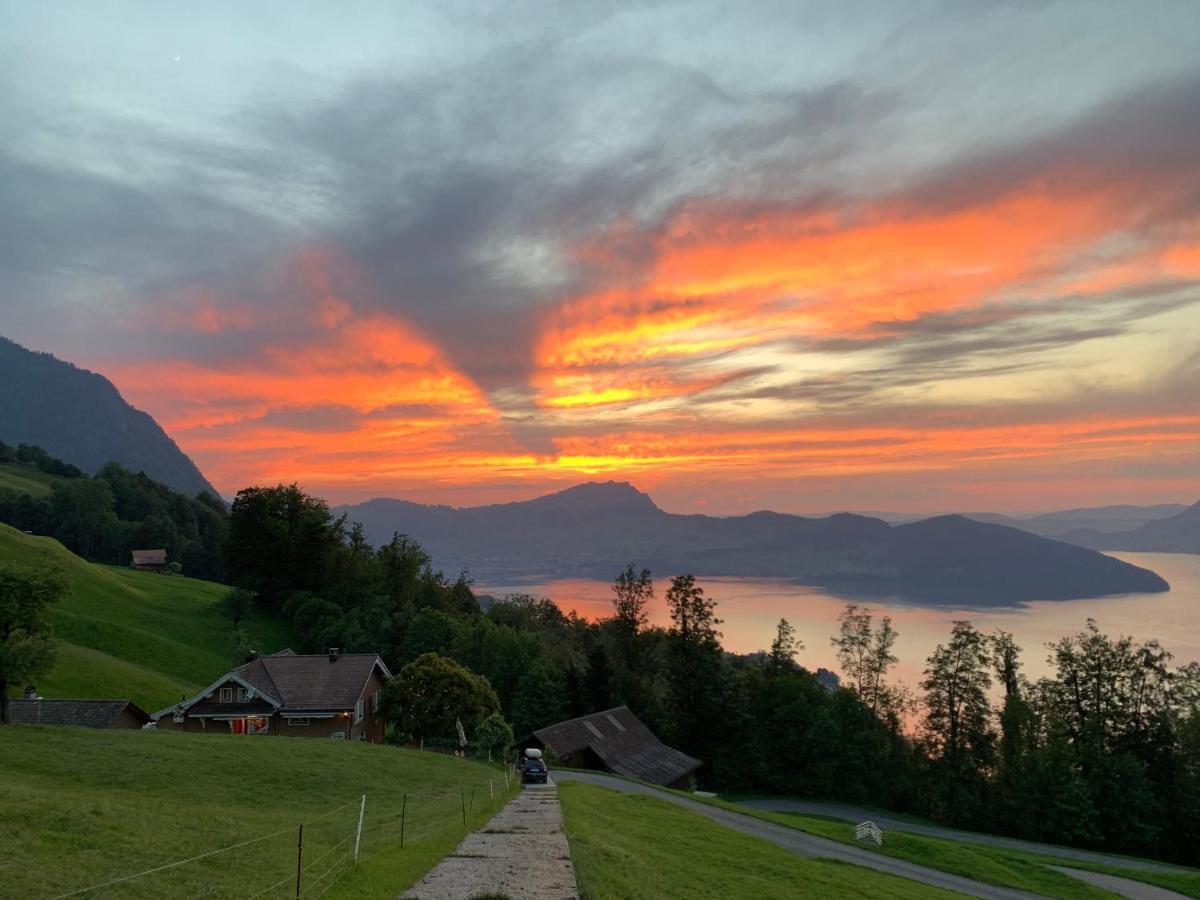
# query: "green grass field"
(26, 479)
(85, 807)
(994, 865)
(631, 846)
(136, 635)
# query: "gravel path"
(521, 853)
(858, 814)
(806, 844)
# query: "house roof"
(84, 713)
(622, 742)
(292, 682)
(149, 557)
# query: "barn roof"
(622, 742)
(84, 713)
(149, 557)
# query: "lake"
(751, 607)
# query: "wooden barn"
(150, 560)
(615, 740)
(78, 713)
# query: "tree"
(957, 714)
(235, 605)
(495, 736)
(866, 655)
(783, 649)
(83, 509)
(431, 692)
(1006, 660)
(26, 647)
(282, 540)
(693, 616)
(540, 698)
(632, 592)
(698, 684)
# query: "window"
(375, 701)
(226, 695)
(358, 711)
(300, 720)
(243, 694)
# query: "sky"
(920, 256)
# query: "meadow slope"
(136, 635)
(84, 807)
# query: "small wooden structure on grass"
(35, 710)
(150, 560)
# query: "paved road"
(858, 814)
(806, 844)
(1126, 887)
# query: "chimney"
(31, 693)
(251, 656)
(333, 654)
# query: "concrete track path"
(521, 853)
(806, 844)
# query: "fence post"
(299, 856)
(471, 805)
(403, 816)
(358, 836)
(463, 791)
(491, 791)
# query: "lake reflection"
(752, 606)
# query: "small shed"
(150, 560)
(80, 713)
(615, 740)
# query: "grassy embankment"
(632, 846)
(136, 635)
(83, 807)
(997, 865)
(994, 865)
(26, 479)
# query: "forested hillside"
(79, 416)
(105, 517)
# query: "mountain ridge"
(1176, 534)
(593, 529)
(79, 416)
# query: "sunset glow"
(839, 285)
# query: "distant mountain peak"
(602, 494)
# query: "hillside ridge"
(80, 416)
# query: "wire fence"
(307, 860)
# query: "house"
(615, 740)
(35, 710)
(328, 695)
(150, 560)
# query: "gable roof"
(84, 713)
(149, 557)
(622, 742)
(292, 682)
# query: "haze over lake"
(751, 607)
